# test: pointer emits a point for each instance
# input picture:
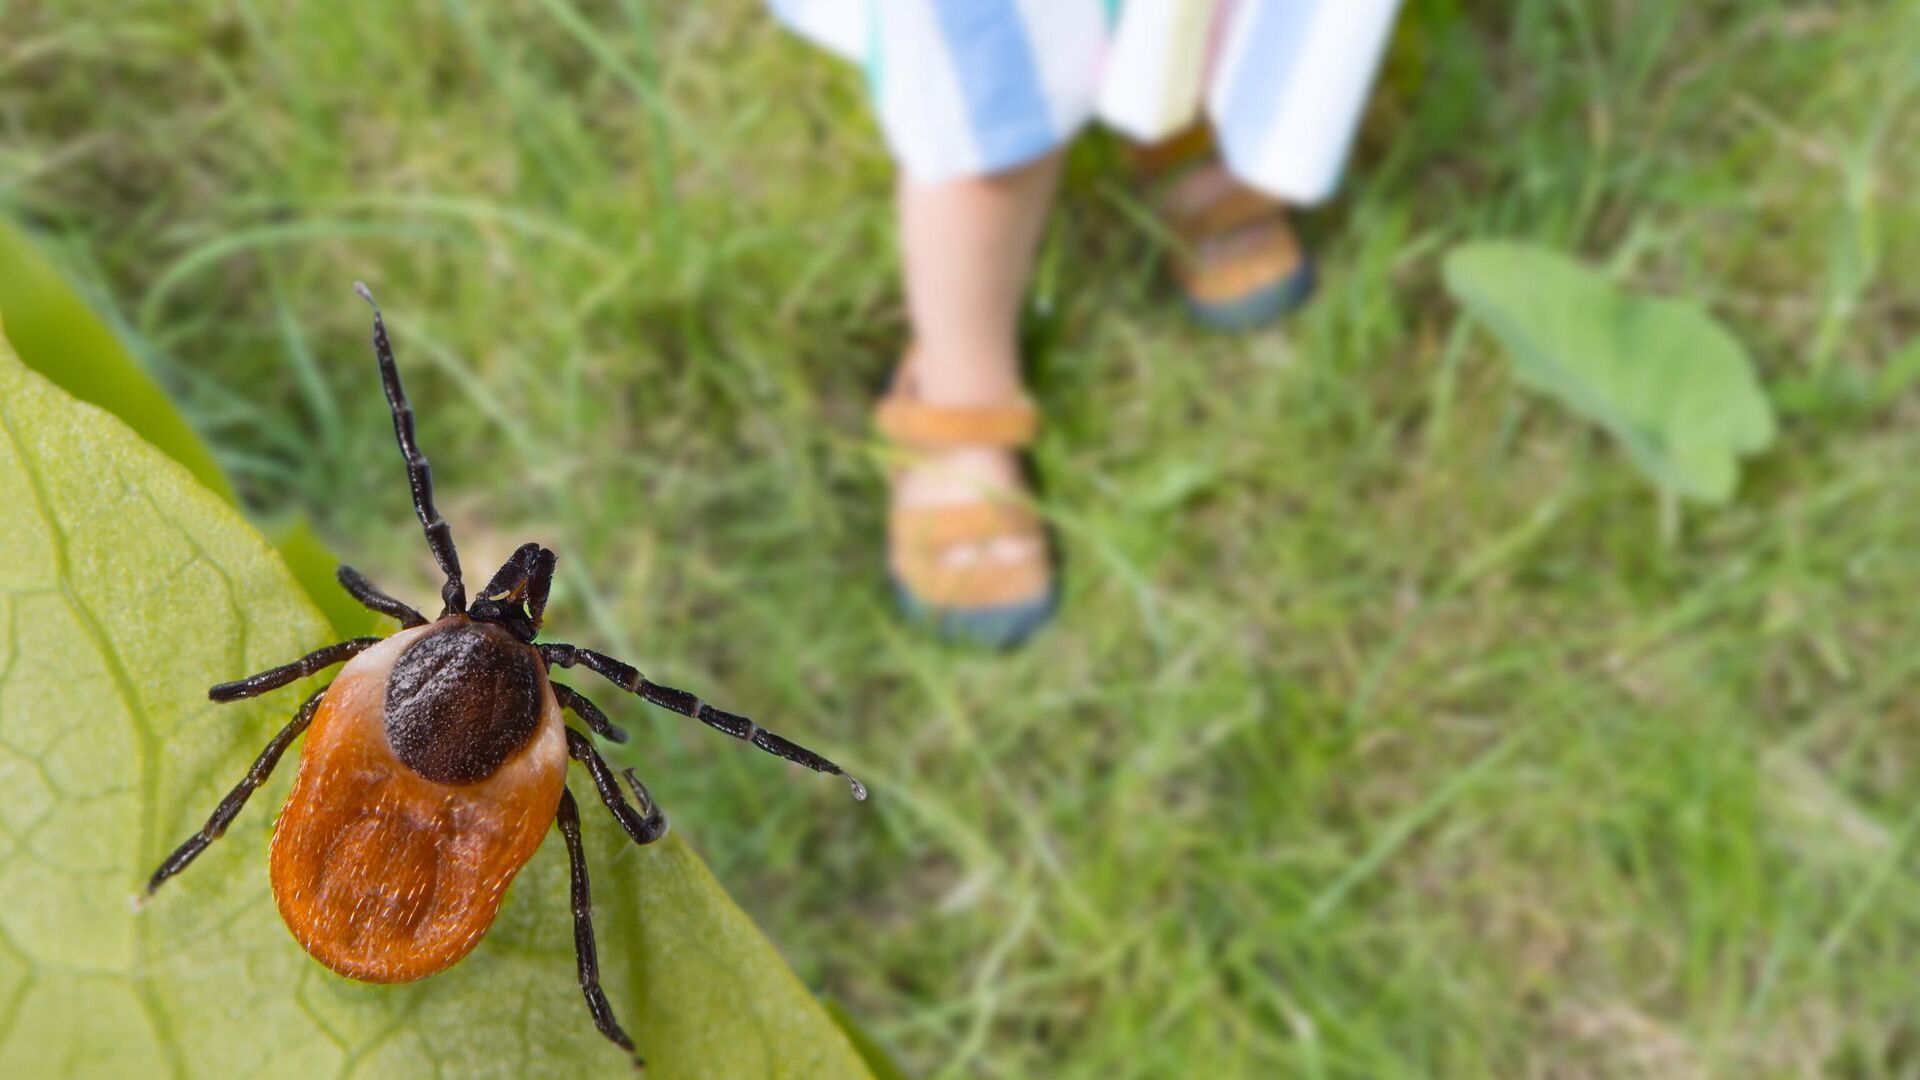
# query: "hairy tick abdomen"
(387, 876)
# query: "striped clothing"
(969, 87)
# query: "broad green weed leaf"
(313, 565)
(877, 1057)
(126, 588)
(1668, 381)
(60, 336)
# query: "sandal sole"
(1001, 626)
(1258, 308)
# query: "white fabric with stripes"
(969, 87)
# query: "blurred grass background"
(1381, 735)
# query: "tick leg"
(646, 824)
(275, 678)
(627, 678)
(419, 477)
(569, 698)
(365, 591)
(569, 820)
(229, 807)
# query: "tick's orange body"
(437, 760)
(382, 874)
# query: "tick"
(435, 762)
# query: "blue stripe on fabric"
(994, 64)
(1266, 66)
(874, 71)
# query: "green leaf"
(313, 565)
(1673, 386)
(876, 1055)
(126, 588)
(60, 336)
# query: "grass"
(1381, 734)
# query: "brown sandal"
(996, 602)
(1240, 265)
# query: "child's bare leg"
(967, 250)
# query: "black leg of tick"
(364, 591)
(229, 807)
(568, 818)
(646, 824)
(419, 477)
(627, 678)
(275, 678)
(569, 698)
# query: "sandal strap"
(1156, 161)
(1015, 581)
(1169, 165)
(1234, 208)
(905, 420)
(932, 528)
(921, 536)
(1233, 266)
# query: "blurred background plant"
(1381, 735)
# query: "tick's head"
(516, 598)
